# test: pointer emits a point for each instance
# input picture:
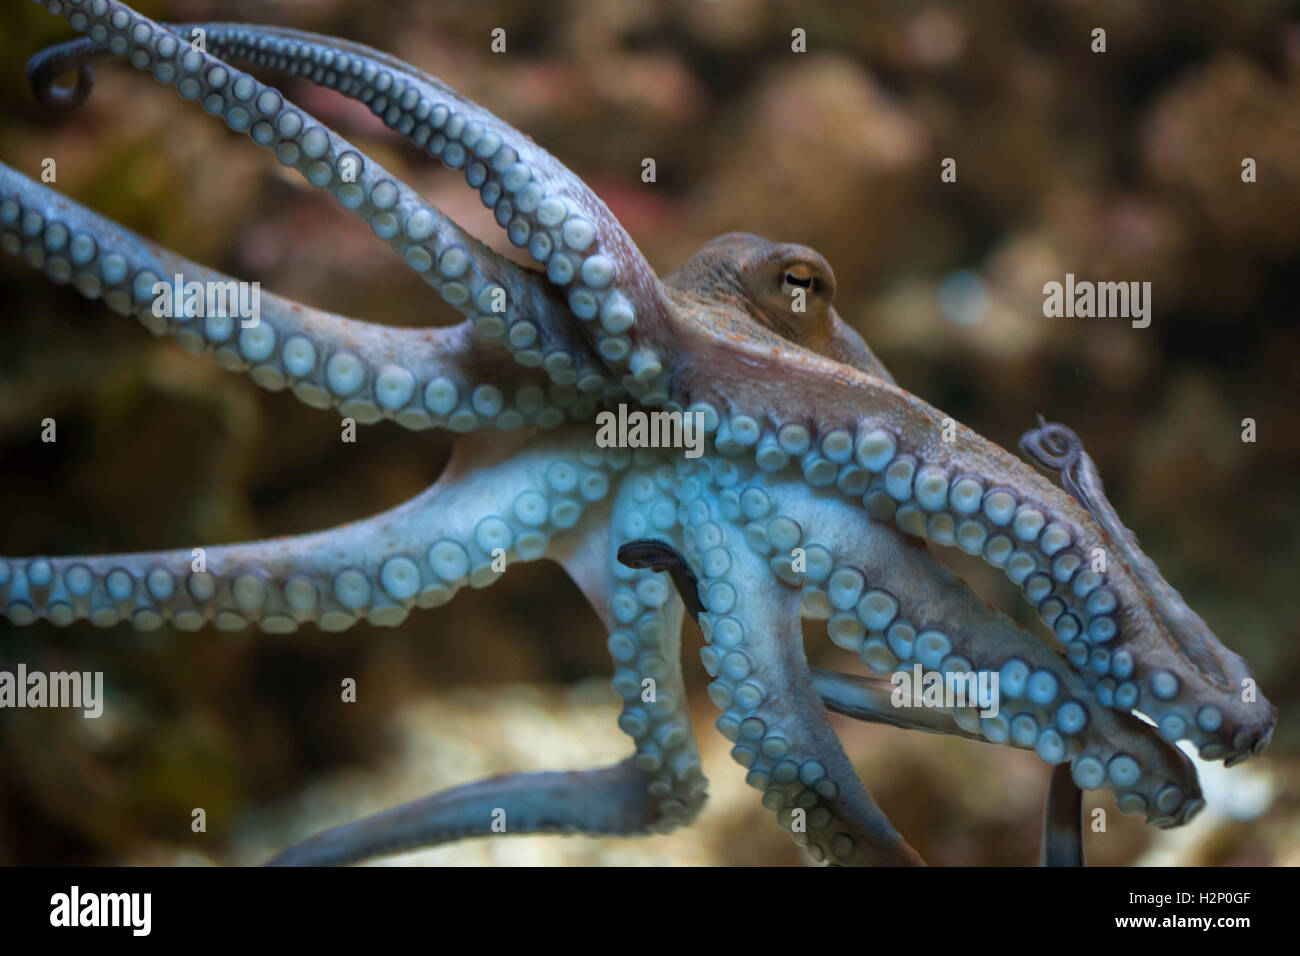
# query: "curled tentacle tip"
(44, 69)
(1052, 445)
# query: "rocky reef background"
(1122, 166)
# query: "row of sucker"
(795, 785)
(378, 570)
(368, 372)
(535, 215)
(645, 643)
(1043, 553)
(494, 294)
(1042, 705)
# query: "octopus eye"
(800, 274)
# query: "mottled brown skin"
(744, 285)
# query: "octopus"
(818, 493)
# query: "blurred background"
(1122, 166)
